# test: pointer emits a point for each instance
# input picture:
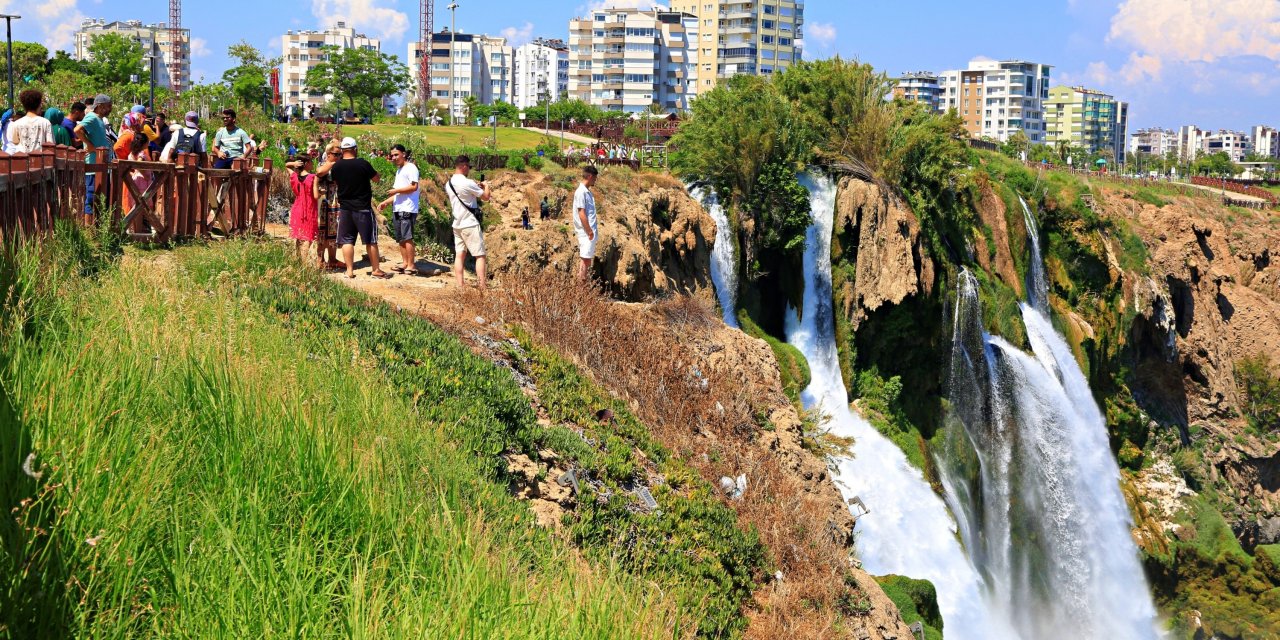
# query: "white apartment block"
(1191, 142)
(1266, 141)
(1235, 144)
(156, 39)
(481, 67)
(756, 37)
(303, 50)
(628, 59)
(998, 98)
(541, 71)
(1156, 142)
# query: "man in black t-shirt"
(355, 178)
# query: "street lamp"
(8, 33)
(453, 62)
(151, 71)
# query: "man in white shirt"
(584, 221)
(404, 195)
(465, 195)
(29, 133)
(186, 139)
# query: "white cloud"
(199, 47)
(1199, 30)
(363, 15)
(821, 33)
(58, 21)
(518, 36)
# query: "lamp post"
(8, 33)
(453, 62)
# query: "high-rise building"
(756, 37)
(1191, 142)
(541, 71)
(156, 39)
(998, 98)
(481, 69)
(627, 59)
(1235, 144)
(303, 50)
(1266, 141)
(1155, 141)
(1087, 118)
(918, 86)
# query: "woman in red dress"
(302, 217)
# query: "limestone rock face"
(654, 239)
(882, 236)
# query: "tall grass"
(200, 470)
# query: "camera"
(482, 178)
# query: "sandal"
(398, 268)
(381, 275)
(410, 272)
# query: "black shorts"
(352, 222)
(402, 225)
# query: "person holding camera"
(465, 196)
(404, 195)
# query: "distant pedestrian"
(230, 142)
(92, 133)
(524, 218)
(584, 221)
(404, 214)
(29, 133)
(544, 209)
(355, 177)
(465, 196)
(302, 216)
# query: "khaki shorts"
(470, 240)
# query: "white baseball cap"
(348, 143)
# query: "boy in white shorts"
(584, 221)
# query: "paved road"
(1218, 190)
(567, 136)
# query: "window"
(786, 42)
(769, 10)
(767, 24)
(766, 39)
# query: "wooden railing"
(151, 201)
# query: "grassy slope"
(508, 137)
(207, 471)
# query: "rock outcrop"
(654, 239)
(878, 233)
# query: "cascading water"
(908, 530)
(724, 264)
(1037, 285)
(1029, 473)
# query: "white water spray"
(1029, 471)
(908, 530)
(1037, 284)
(724, 263)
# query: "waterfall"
(908, 530)
(724, 263)
(1029, 472)
(1037, 285)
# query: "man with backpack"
(465, 196)
(187, 139)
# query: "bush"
(516, 162)
(1261, 389)
(536, 163)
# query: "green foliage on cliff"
(792, 365)
(917, 601)
(1262, 392)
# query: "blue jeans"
(88, 194)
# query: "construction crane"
(176, 50)
(426, 19)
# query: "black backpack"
(186, 143)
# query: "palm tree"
(470, 103)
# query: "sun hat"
(348, 143)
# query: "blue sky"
(1215, 63)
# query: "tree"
(62, 61)
(63, 87)
(847, 102)
(29, 61)
(1216, 164)
(470, 104)
(248, 78)
(1016, 145)
(358, 76)
(115, 59)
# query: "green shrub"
(1261, 389)
(536, 163)
(1146, 195)
(917, 601)
(792, 366)
(516, 162)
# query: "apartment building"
(1154, 141)
(156, 39)
(1087, 118)
(480, 67)
(756, 37)
(303, 50)
(1191, 142)
(1266, 141)
(541, 70)
(918, 86)
(1235, 144)
(997, 98)
(626, 59)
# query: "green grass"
(209, 466)
(792, 365)
(1146, 195)
(508, 137)
(917, 601)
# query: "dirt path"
(1217, 191)
(567, 136)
